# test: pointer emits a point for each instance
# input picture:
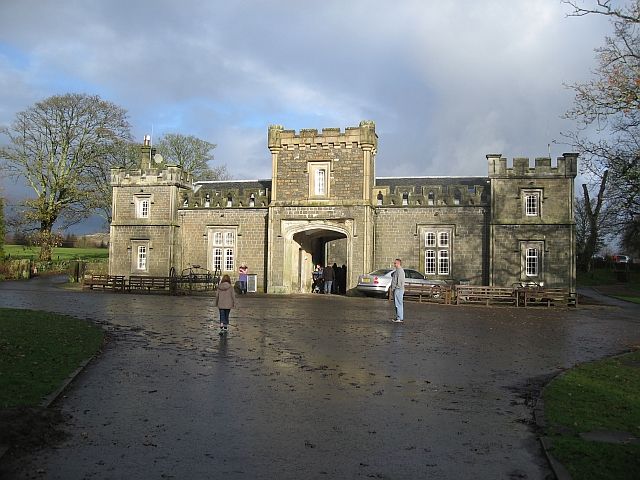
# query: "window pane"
(443, 262)
(217, 259)
(228, 263)
(142, 257)
(430, 262)
(321, 181)
(531, 204)
(217, 238)
(229, 239)
(531, 262)
(430, 239)
(443, 239)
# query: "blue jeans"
(224, 315)
(243, 286)
(398, 295)
(327, 286)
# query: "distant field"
(59, 253)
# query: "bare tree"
(606, 108)
(121, 154)
(193, 154)
(593, 223)
(54, 145)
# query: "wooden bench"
(428, 293)
(106, 282)
(547, 297)
(485, 294)
(148, 283)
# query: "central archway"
(310, 245)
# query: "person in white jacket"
(225, 301)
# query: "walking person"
(225, 301)
(397, 290)
(242, 278)
(329, 275)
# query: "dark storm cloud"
(445, 82)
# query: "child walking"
(225, 301)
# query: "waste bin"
(252, 283)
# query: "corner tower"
(532, 227)
(144, 226)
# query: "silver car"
(378, 282)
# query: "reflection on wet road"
(311, 386)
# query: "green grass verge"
(18, 252)
(627, 298)
(596, 396)
(38, 350)
(606, 276)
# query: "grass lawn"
(596, 396)
(38, 350)
(18, 252)
(606, 276)
(628, 298)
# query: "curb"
(557, 468)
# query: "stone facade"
(324, 204)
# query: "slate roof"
(394, 182)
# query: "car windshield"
(382, 271)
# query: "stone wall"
(250, 225)
(399, 233)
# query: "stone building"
(324, 204)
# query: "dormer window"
(252, 200)
(380, 199)
(207, 200)
(431, 198)
(229, 200)
(405, 199)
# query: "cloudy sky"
(446, 82)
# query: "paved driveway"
(311, 387)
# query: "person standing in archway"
(397, 290)
(329, 275)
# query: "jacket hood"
(224, 286)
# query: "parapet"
(363, 136)
(567, 166)
(169, 175)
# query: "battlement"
(567, 166)
(363, 136)
(169, 175)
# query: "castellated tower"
(145, 229)
(532, 228)
(321, 209)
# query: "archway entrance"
(313, 246)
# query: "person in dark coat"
(328, 278)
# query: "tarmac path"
(310, 386)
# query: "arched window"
(252, 200)
(431, 198)
(207, 200)
(405, 198)
(229, 200)
(380, 198)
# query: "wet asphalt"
(311, 386)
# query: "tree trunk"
(593, 217)
(46, 241)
